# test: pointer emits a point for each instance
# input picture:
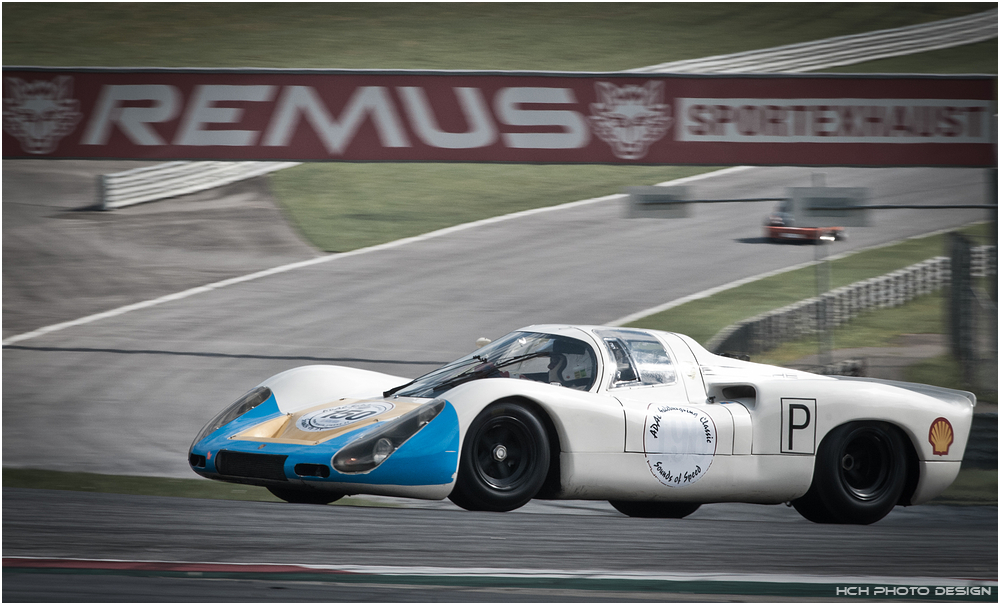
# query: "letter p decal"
(798, 426)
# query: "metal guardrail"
(176, 178)
(843, 50)
(768, 330)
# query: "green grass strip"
(876, 328)
(340, 207)
(509, 36)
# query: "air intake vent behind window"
(744, 393)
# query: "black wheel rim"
(503, 453)
(864, 464)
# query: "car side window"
(624, 370)
(641, 360)
(653, 363)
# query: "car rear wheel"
(655, 510)
(859, 476)
(304, 495)
(504, 459)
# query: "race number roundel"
(679, 443)
(344, 415)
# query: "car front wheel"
(504, 459)
(859, 476)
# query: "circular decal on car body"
(679, 443)
(344, 415)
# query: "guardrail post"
(171, 179)
(102, 191)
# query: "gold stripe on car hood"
(323, 422)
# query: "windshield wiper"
(395, 390)
(480, 371)
(483, 371)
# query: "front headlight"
(372, 447)
(241, 406)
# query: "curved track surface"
(127, 393)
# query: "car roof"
(590, 329)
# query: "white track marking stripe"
(493, 572)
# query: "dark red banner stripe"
(520, 117)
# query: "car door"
(666, 414)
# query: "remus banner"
(522, 117)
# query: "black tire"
(504, 460)
(304, 495)
(860, 473)
(655, 510)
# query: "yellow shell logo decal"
(941, 436)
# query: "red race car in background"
(780, 226)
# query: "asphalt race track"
(127, 393)
(741, 542)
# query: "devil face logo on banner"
(40, 113)
(630, 118)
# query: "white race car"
(648, 420)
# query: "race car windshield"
(532, 356)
